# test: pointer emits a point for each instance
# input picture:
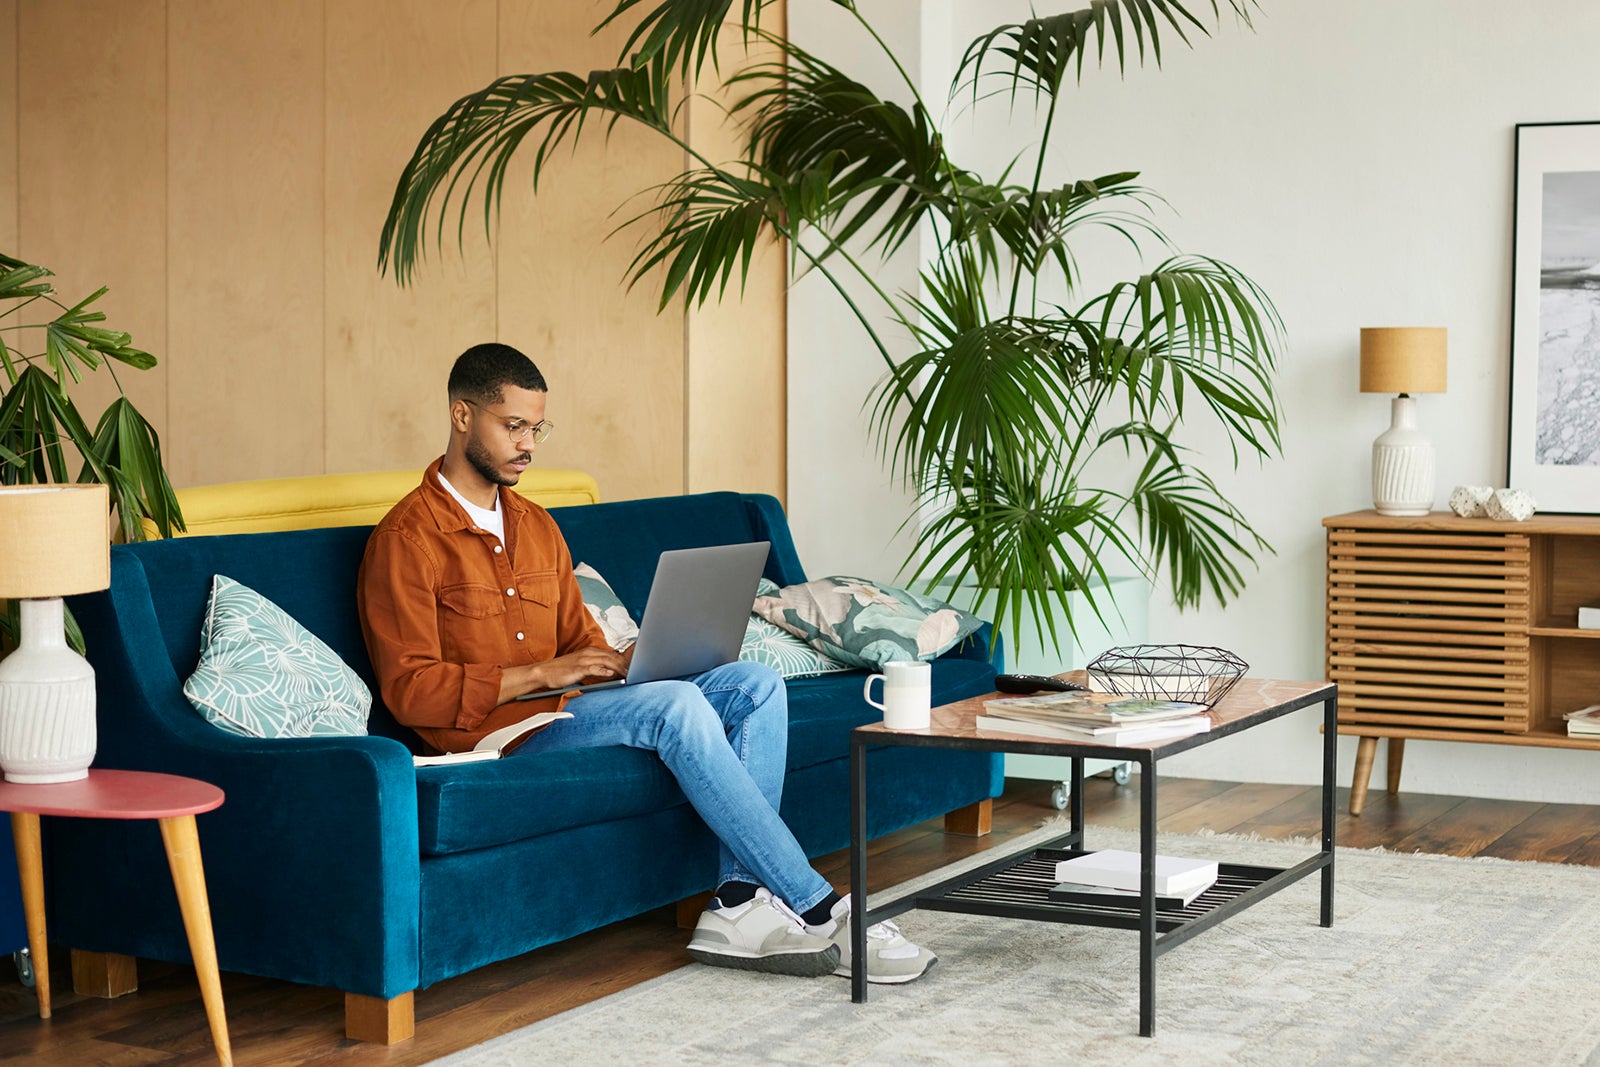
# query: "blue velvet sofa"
(335, 862)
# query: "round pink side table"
(172, 801)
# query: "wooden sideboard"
(1448, 629)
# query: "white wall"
(1356, 159)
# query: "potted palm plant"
(1010, 393)
(42, 432)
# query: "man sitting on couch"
(468, 600)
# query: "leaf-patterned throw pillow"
(865, 623)
(606, 607)
(785, 653)
(262, 674)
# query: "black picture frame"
(1553, 440)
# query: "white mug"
(907, 692)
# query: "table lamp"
(54, 541)
(1403, 360)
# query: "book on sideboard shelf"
(1585, 722)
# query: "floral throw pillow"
(606, 607)
(864, 623)
(262, 674)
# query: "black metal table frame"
(1152, 943)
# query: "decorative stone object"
(1514, 504)
(1471, 501)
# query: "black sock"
(732, 894)
(822, 912)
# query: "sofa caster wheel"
(1122, 773)
(1058, 796)
(24, 961)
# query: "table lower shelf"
(1021, 891)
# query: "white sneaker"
(891, 959)
(761, 934)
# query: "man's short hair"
(482, 372)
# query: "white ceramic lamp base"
(1402, 464)
(47, 701)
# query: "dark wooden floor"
(279, 1023)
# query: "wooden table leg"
(182, 840)
(30, 866)
(1366, 749)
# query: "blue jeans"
(724, 736)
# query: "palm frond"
(1193, 530)
(1027, 535)
(683, 33)
(990, 394)
(127, 457)
(477, 137)
(1193, 323)
(709, 223)
(885, 165)
(1041, 52)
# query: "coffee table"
(1016, 885)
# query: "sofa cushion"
(468, 806)
(262, 674)
(823, 711)
(867, 623)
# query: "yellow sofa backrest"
(341, 499)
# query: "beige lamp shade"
(1403, 359)
(54, 540)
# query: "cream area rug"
(1431, 960)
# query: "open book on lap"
(498, 743)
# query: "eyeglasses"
(519, 429)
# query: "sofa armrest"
(312, 861)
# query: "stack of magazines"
(1098, 718)
(1585, 722)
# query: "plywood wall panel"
(8, 126)
(107, 119)
(615, 367)
(736, 378)
(388, 349)
(245, 235)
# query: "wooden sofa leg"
(104, 974)
(974, 820)
(689, 909)
(383, 1022)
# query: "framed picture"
(1554, 445)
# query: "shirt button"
(497, 548)
(511, 592)
(519, 637)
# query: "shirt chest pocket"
(473, 601)
(539, 589)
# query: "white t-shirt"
(490, 519)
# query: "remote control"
(1034, 683)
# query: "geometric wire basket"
(1195, 674)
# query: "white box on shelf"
(1589, 617)
(1118, 869)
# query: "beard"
(484, 464)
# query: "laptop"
(695, 618)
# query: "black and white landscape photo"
(1569, 321)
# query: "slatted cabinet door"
(1430, 628)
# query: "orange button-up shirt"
(445, 608)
